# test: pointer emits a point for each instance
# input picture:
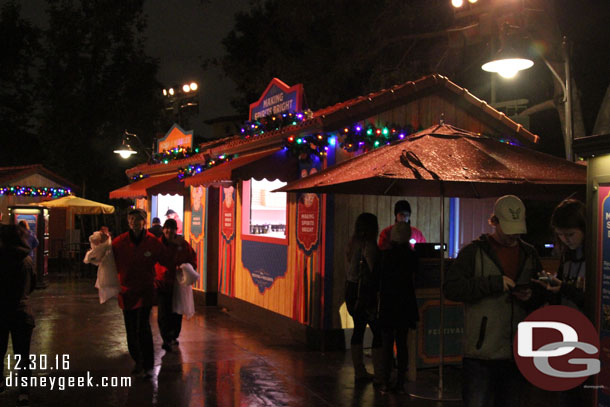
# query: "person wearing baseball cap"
(178, 251)
(492, 277)
(135, 254)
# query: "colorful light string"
(195, 169)
(49, 192)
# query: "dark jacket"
(17, 276)
(156, 230)
(491, 315)
(176, 254)
(398, 303)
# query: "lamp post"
(125, 150)
(179, 99)
(508, 63)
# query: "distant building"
(22, 185)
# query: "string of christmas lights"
(49, 192)
(354, 138)
(139, 176)
(272, 123)
(198, 168)
(177, 153)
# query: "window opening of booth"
(264, 210)
(168, 206)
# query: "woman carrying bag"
(361, 292)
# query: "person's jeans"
(139, 337)
(487, 383)
(21, 335)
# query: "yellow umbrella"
(78, 206)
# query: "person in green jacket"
(492, 276)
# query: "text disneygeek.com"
(63, 382)
(43, 364)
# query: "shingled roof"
(336, 116)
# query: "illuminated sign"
(175, 137)
(277, 98)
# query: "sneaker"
(23, 400)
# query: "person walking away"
(402, 213)
(361, 288)
(492, 276)
(17, 281)
(178, 252)
(156, 228)
(135, 255)
(398, 304)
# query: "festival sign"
(603, 272)
(175, 137)
(308, 222)
(227, 214)
(277, 98)
(197, 212)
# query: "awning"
(77, 205)
(445, 160)
(159, 184)
(270, 164)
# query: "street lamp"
(182, 101)
(508, 63)
(125, 150)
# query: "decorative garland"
(177, 153)
(273, 122)
(49, 192)
(209, 163)
(139, 176)
(354, 138)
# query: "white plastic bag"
(186, 274)
(101, 255)
(182, 301)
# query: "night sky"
(182, 34)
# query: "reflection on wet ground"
(221, 361)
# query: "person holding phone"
(492, 276)
(568, 284)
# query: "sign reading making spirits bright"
(277, 98)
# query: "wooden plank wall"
(277, 298)
(422, 113)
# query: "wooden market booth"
(278, 260)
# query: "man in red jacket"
(178, 252)
(135, 254)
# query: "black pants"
(488, 383)
(390, 336)
(139, 337)
(21, 334)
(170, 323)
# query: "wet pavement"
(221, 361)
